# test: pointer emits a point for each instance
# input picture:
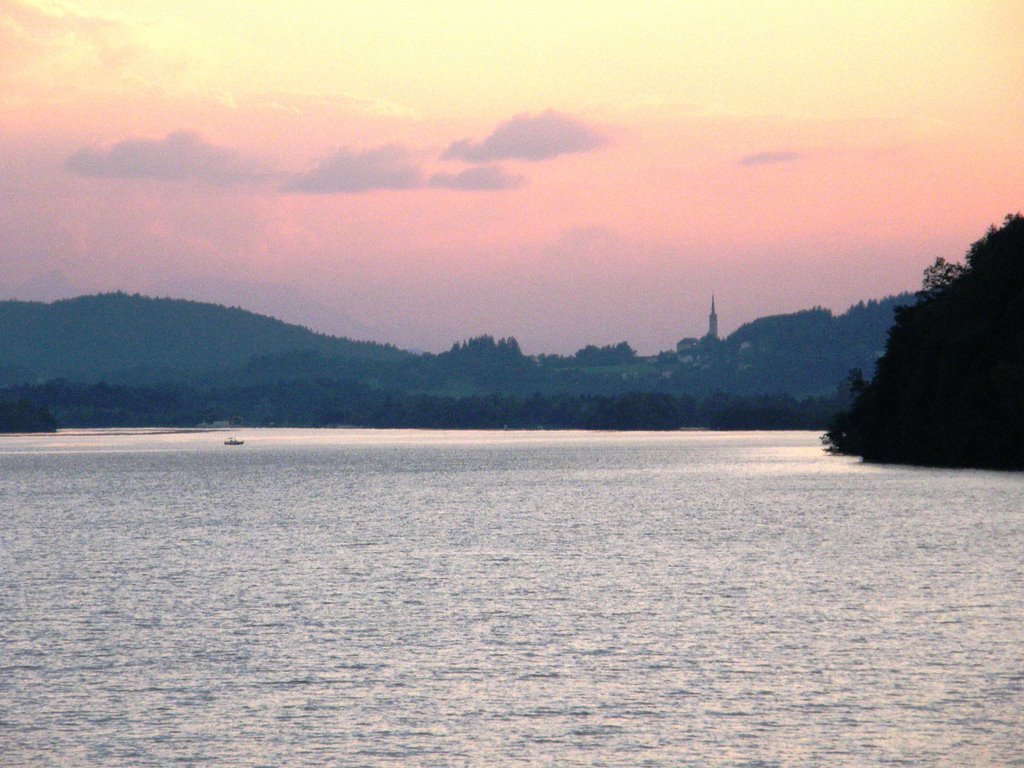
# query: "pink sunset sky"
(567, 173)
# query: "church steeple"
(713, 320)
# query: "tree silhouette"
(949, 390)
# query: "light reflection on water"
(376, 598)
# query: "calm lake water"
(404, 598)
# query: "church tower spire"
(713, 320)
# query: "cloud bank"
(770, 158)
(180, 156)
(348, 171)
(528, 137)
(393, 167)
(481, 177)
(184, 155)
(27, 25)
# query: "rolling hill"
(807, 352)
(133, 338)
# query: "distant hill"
(808, 352)
(133, 338)
(803, 354)
(128, 360)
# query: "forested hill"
(132, 339)
(136, 361)
(125, 337)
(805, 352)
(861, 328)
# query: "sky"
(567, 173)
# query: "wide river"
(407, 598)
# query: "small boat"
(234, 441)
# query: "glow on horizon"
(780, 154)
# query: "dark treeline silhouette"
(612, 354)
(332, 402)
(949, 390)
(23, 415)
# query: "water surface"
(392, 598)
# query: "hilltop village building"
(686, 346)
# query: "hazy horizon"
(419, 174)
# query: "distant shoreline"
(72, 431)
